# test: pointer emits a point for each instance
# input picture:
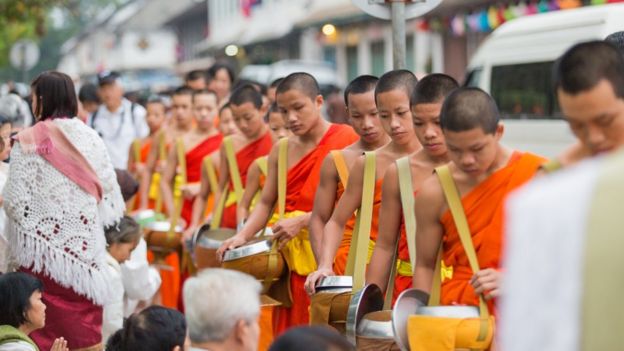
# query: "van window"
(524, 91)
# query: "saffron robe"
(483, 206)
(244, 158)
(301, 183)
(340, 261)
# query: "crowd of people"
(415, 192)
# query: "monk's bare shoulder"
(430, 194)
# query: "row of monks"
(433, 126)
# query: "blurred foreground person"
(222, 310)
(21, 312)
(563, 286)
(56, 232)
(156, 328)
(5, 150)
(311, 339)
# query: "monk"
(226, 123)
(256, 176)
(426, 103)
(586, 77)
(156, 117)
(392, 96)
(298, 98)
(254, 141)
(363, 117)
(484, 172)
(198, 142)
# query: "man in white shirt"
(118, 121)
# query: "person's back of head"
(584, 65)
(469, 108)
(54, 96)
(222, 307)
(313, 338)
(433, 88)
(155, 328)
(616, 39)
(400, 79)
(88, 93)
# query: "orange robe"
(402, 282)
(483, 206)
(244, 158)
(194, 159)
(340, 261)
(301, 183)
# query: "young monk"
(299, 99)
(392, 95)
(156, 117)
(485, 172)
(592, 108)
(256, 176)
(426, 104)
(363, 117)
(198, 142)
(253, 141)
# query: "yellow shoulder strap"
(211, 173)
(233, 168)
(341, 167)
(282, 172)
(407, 203)
(551, 166)
(263, 164)
(181, 158)
(217, 214)
(360, 239)
(136, 150)
(459, 217)
(162, 148)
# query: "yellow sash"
(341, 167)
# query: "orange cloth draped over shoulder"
(483, 206)
(244, 158)
(194, 159)
(301, 183)
(402, 282)
(340, 261)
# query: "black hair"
(15, 291)
(124, 232)
(584, 65)
(433, 88)
(244, 94)
(468, 108)
(195, 75)
(276, 82)
(55, 94)
(204, 92)
(88, 93)
(397, 79)
(616, 39)
(183, 90)
(212, 71)
(360, 85)
(311, 338)
(225, 106)
(272, 109)
(155, 328)
(127, 184)
(304, 82)
(261, 88)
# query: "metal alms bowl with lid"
(258, 258)
(205, 244)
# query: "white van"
(515, 66)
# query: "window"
(352, 63)
(378, 58)
(329, 55)
(524, 91)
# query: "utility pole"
(398, 34)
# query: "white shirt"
(118, 130)
(112, 319)
(4, 244)
(543, 285)
(140, 281)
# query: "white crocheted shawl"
(53, 225)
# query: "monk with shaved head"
(484, 172)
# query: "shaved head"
(433, 88)
(398, 79)
(246, 93)
(469, 108)
(301, 81)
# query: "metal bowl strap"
(233, 168)
(360, 239)
(459, 216)
(136, 155)
(341, 167)
(282, 170)
(179, 181)
(271, 265)
(211, 174)
(162, 156)
(407, 203)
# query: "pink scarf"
(48, 141)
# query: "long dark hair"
(55, 96)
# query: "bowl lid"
(251, 249)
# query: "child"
(226, 121)
(121, 239)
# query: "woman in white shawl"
(61, 192)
